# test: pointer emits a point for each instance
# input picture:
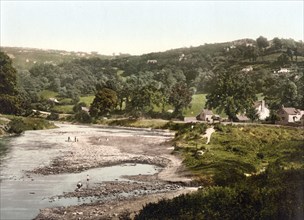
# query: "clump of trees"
(231, 92)
(10, 100)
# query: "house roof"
(257, 104)
(291, 111)
(242, 118)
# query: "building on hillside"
(152, 61)
(284, 70)
(247, 69)
(86, 109)
(302, 120)
(289, 115)
(205, 115)
(242, 118)
(262, 109)
(54, 100)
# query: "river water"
(22, 195)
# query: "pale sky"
(138, 27)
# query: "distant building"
(242, 118)
(284, 70)
(85, 109)
(53, 100)
(247, 69)
(205, 115)
(290, 115)
(152, 61)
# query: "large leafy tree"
(9, 99)
(104, 102)
(231, 92)
(180, 97)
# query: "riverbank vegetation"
(164, 84)
(17, 125)
(247, 172)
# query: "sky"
(138, 27)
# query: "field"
(238, 149)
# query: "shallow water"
(23, 195)
(22, 199)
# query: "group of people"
(75, 139)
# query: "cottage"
(289, 115)
(284, 70)
(205, 115)
(262, 109)
(247, 69)
(54, 100)
(85, 109)
(242, 118)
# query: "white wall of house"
(263, 111)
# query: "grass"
(197, 104)
(67, 109)
(241, 149)
(46, 94)
(87, 99)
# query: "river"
(23, 193)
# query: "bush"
(83, 117)
(16, 126)
(53, 116)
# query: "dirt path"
(208, 134)
(104, 146)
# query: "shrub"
(83, 117)
(16, 125)
(53, 116)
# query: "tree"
(231, 92)
(10, 102)
(262, 42)
(180, 97)
(252, 113)
(277, 43)
(83, 117)
(104, 102)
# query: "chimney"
(263, 105)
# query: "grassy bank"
(235, 150)
(272, 158)
(16, 124)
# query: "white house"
(247, 69)
(262, 109)
(284, 70)
(205, 115)
(290, 115)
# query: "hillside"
(25, 58)
(147, 82)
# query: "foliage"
(277, 198)
(18, 125)
(252, 114)
(231, 92)
(180, 97)
(83, 117)
(53, 116)
(104, 102)
(10, 101)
